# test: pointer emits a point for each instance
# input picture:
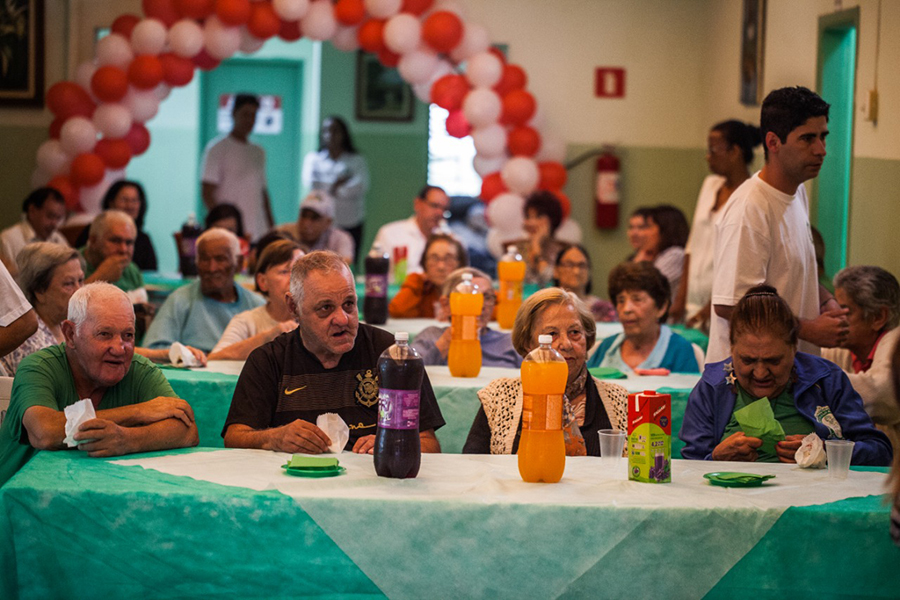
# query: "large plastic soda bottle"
(511, 272)
(187, 251)
(375, 301)
(466, 302)
(542, 450)
(397, 448)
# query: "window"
(450, 158)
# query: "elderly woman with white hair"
(198, 313)
(433, 343)
(590, 404)
(872, 296)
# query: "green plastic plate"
(332, 472)
(731, 479)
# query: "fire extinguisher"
(607, 207)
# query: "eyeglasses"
(448, 259)
(572, 266)
(490, 296)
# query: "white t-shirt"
(334, 239)
(320, 171)
(14, 238)
(245, 325)
(701, 245)
(12, 301)
(403, 233)
(238, 170)
(670, 263)
(763, 237)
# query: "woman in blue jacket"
(806, 393)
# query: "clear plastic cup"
(612, 443)
(838, 453)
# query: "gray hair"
(220, 233)
(323, 261)
(523, 327)
(37, 261)
(102, 222)
(871, 288)
(456, 277)
(91, 295)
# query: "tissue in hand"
(336, 430)
(76, 414)
(811, 453)
(180, 356)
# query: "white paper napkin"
(76, 414)
(180, 356)
(811, 453)
(335, 428)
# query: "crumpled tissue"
(336, 430)
(811, 453)
(180, 356)
(76, 414)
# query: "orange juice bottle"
(466, 303)
(511, 273)
(542, 450)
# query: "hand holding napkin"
(180, 356)
(757, 420)
(76, 414)
(336, 430)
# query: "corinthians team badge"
(367, 390)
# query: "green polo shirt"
(131, 277)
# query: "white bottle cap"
(545, 339)
(510, 249)
(401, 336)
(467, 277)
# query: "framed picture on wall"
(22, 53)
(381, 94)
(753, 51)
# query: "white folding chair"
(5, 394)
(699, 355)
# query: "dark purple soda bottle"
(187, 250)
(397, 448)
(375, 301)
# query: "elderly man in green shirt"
(109, 254)
(136, 409)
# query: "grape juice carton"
(650, 437)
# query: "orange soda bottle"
(466, 303)
(542, 449)
(511, 273)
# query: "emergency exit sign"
(609, 82)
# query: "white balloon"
(143, 104)
(149, 37)
(39, 178)
(569, 231)
(482, 107)
(490, 141)
(382, 9)
(402, 33)
(553, 148)
(91, 198)
(112, 120)
(77, 135)
(475, 40)
(249, 43)
(345, 39)
(521, 175)
(417, 66)
(52, 159)
(505, 212)
(162, 91)
(186, 38)
(484, 70)
(220, 40)
(497, 240)
(484, 166)
(114, 50)
(83, 75)
(319, 23)
(291, 10)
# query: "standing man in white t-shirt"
(764, 235)
(234, 170)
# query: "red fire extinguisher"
(607, 207)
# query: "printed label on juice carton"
(650, 437)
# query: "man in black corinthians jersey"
(328, 364)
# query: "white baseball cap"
(320, 202)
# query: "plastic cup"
(838, 453)
(612, 442)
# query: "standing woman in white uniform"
(729, 154)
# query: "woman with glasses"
(572, 272)
(433, 343)
(421, 292)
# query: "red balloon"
(56, 127)
(449, 91)
(553, 175)
(349, 12)
(124, 24)
(518, 107)
(87, 170)
(523, 141)
(514, 78)
(492, 186)
(564, 202)
(388, 58)
(442, 30)
(177, 70)
(67, 99)
(205, 61)
(109, 83)
(195, 9)
(138, 139)
(164, 10)
(416, 7)
(145, 72)
(115, 153)
(498, 53)
(371, 36)
(457, 125)
(264, 21)
(290, 31)
(233, 12)
(63, 185)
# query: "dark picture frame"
(381, 94)
(753, 38)
(22, 53)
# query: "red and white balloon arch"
(100, 117)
